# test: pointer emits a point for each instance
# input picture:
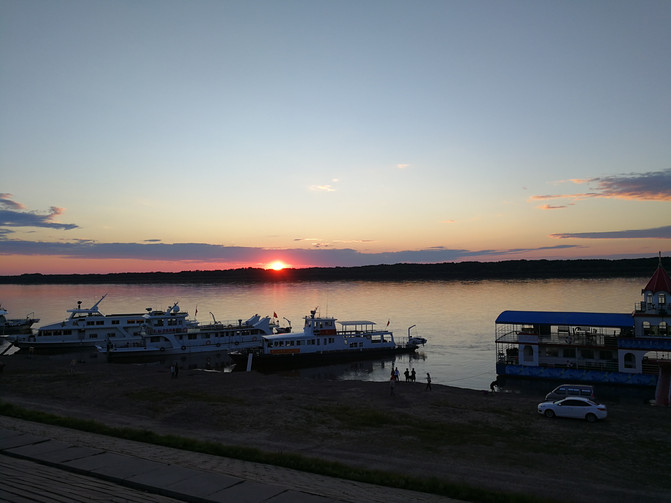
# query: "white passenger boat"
(154, 343)
(321, 343)
(88, 327)
(11, 326)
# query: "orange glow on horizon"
(278, 265)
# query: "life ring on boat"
(207, 343)
(183, 348)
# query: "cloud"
(651, 186)
(322, 188)
(402, 166)
(7, 202)
(319, 255)
(654, 233)
(12, 214)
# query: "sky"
(174, 135)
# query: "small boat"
(85, 328)
(611, 348)
(322, 343)
(11, 326)
(154, 343)
(417, 341)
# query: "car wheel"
(591, 418)
(549, 413)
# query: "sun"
(278, 265)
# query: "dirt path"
(491, 440)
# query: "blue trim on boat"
(566, 318)
(648, 343)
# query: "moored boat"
(613, 348)
(322, 343)
(153, 343)
(11, 326)
(87, 327)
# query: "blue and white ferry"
(614, 348)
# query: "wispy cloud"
(328, 187)
(402, 166)
(654, 233)
(651, 186)
(14, 214)
(555, 207)
(322, 188)
(7, 201)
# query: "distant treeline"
(511, 269)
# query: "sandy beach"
(493, 440)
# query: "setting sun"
(278, 265)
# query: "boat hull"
(262, 361)
(575, 375)
(131, 353)
(53, 347)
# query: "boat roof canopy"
(346, 323)
(566, 318)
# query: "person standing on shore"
(428, 382)
(413, 375)
(392, 386)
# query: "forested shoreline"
(463, 271)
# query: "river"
(457, 317)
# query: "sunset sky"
(170, 135)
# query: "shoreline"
(496, 441)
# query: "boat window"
(661, 297)
(663, 329)
(629, 361)
(646, 328)
(93, 336)
(115, 322)
(587, 353)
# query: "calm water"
(456, 317)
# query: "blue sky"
(174, 135)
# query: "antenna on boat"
(95, 306)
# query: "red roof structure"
(660, 281)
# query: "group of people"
(410, 376)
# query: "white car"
(576, 407)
